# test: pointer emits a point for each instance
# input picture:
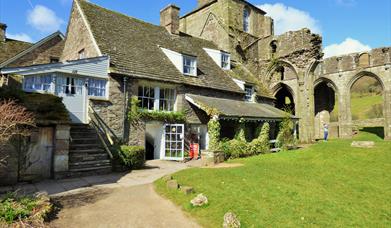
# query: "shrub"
(214, 134)
(132, 156)
(24, 209)
(235, 148)
(260, 145)
(285, 137)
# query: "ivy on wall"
(137, 114)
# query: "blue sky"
(346, 25)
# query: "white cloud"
(44, 19)
(287, 18)
(349, 45)
(20, 36)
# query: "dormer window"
(189, 65)
(246, 20)
(249, 90)
(225, 61)
(221, 58)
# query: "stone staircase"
(87, 155)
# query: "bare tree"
(14, 120)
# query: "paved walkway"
(153, 171)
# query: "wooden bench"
(273, 147)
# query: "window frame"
(158, 98)
(105, 88)
(192, 66)
(246, 19)
(225, 65)
(249, 96)
(82, 54)
(38, 85)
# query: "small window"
(82, 54)
(225, 61)
(146, 97)
(189, 65)
(54, 60)
(38, 83)
(273, 47)
(97, 87)
(249, 90)
(246, 20)
(167, 100)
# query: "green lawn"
(326, 185)
(362, 105)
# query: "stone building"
(287, 66)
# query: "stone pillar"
(344, 114)
(387, 113)
(61, 149)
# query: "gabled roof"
(30, 49)
(9, 48)
(134, 49)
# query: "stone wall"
(78, 37)
(9, 165)
(43, 54)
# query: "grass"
(326, 185)
(362, 105)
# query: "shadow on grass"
(378, 131)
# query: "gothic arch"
(361, 74)
(283, 63)
(329, 82)
(281, 91)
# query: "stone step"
(80, 135)
(94, 163)
(86, 140)
(87, 157)
(106, 169)
(77, 146)
(88, 151)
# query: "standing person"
(326, 131)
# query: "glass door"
(174, 142)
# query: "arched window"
(246, 19)
(273, 47)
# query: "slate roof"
(9, 48)
(134, 49)
(229, 108)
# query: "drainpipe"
(125, 117)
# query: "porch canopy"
(234, 109)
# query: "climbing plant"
(285, 137)
(136, 114)
(214, 134)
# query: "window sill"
(190, 75)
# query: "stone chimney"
(169, 18)
(3, 28)
(203, 2)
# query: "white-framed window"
(166, 99)
(189, 65)
(97, 87)
(37, 83)
(225, 61)
(246, 19)
(249, 90)
(69, 85)
(155, 98)
(146, 97)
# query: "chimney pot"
(169, 18)
(3, 28)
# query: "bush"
(132, 156)
(214, 134)
(24, 209)
(285, 137)
(261, 145)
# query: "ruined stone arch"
(281, 91)
(310, 73)
(364, 60)
(279, 64)
(361, 74)
(327, 81)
